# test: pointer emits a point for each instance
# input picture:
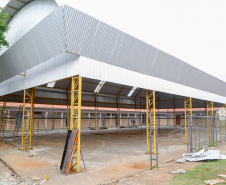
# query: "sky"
(191, 30)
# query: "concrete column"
(7, 121)
(103, 120)
(99, 119)
(110, 119)
(121, 124)
(141, 117)
(46, 116)
(53, 121)
(128, 119)
(62, 120)
(89, 120)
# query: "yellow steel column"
(96, 112)
(2, 115)
(209, 112)
(150, 111)
(174, 111)
(187, 112)
(75, 122)
(27, 119)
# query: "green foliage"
(203, 172)
(212, 144)
(3, 28)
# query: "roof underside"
(14, 6)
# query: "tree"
(3, 28)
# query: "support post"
(28, 114)
(2, 115)
(187, 112)
(75, 118)
(174, 111)
(96, 112)
(150, 122)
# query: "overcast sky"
(192, 30)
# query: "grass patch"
(199, 175)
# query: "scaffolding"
(28, 114)
(187, 113)
(150, 116)
(2, 116)
(75, 118)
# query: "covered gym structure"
(66, 57)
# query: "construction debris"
(203, 155)
(169, 161)
(214, 181)
(181, 160)
(181, 171)
(35, 178)
(222, 175)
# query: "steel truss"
(209, 113)
(2, 116)
(150, 122)
(75, 119)
(187, 113)
(28, 114)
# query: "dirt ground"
(113, 156)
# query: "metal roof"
(14, 6)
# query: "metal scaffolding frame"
(28, 114)
(2, 115)
(150, 122)
(75, 118)
(187, 112)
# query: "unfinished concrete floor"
(108, 154)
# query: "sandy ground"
(111, 157)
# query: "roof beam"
(11, 8)
(21, 2)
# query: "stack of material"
(66, 158)
(203, 155)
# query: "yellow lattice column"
(96, 112)
(2, 116)
(150, 123)
(75, 122)
(174, 111)
(187, 112)
(27, 118)
(209, 112)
